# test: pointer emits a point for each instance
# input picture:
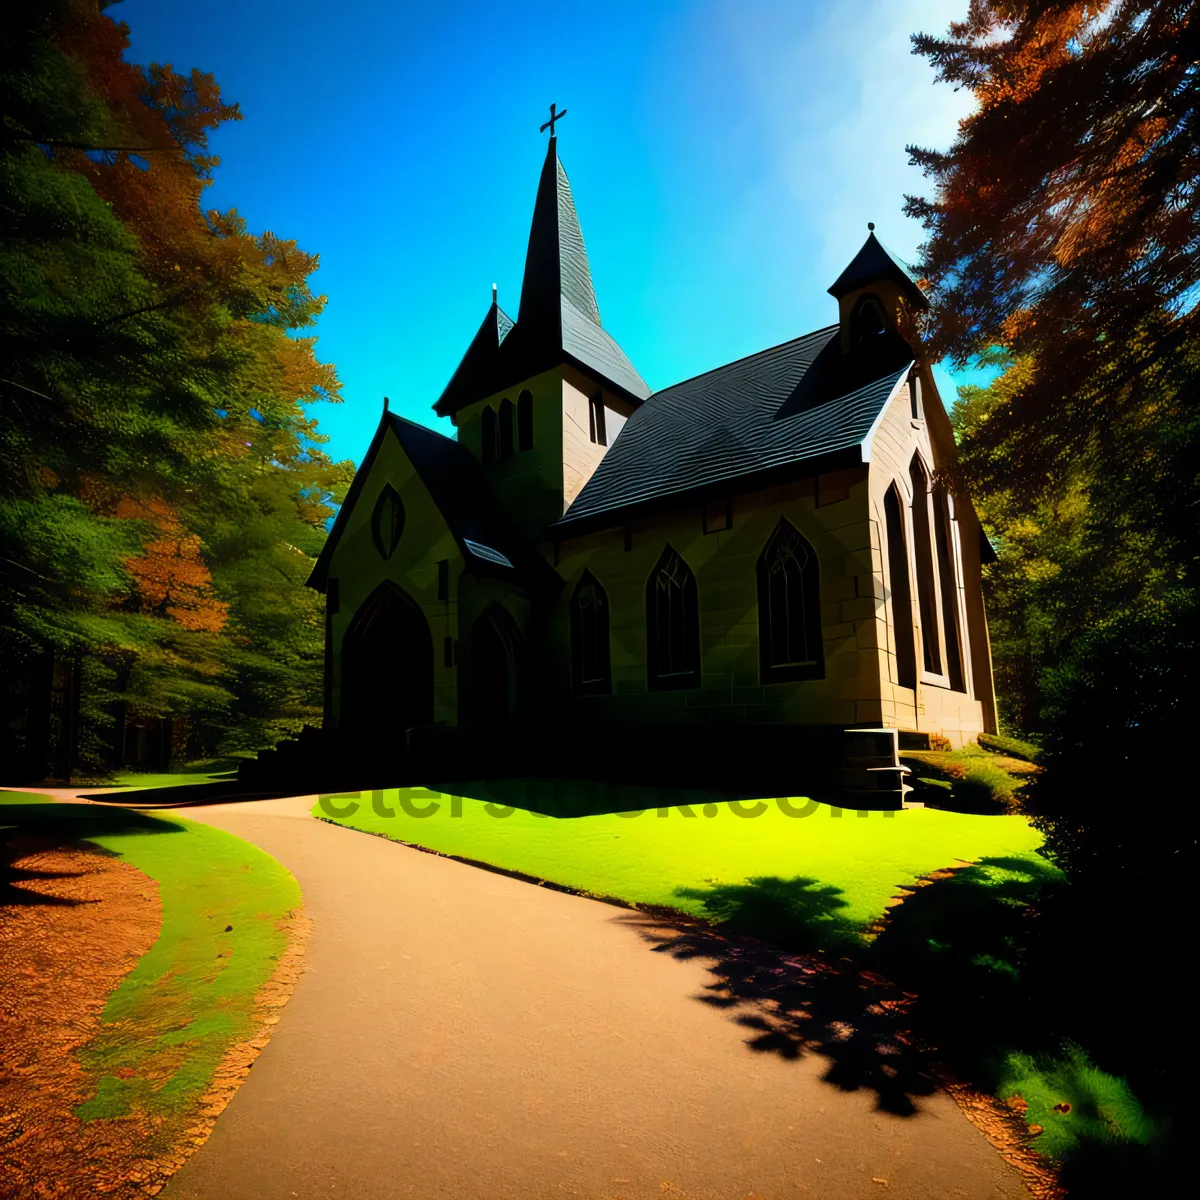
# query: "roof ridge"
(395, 416)
(733, 362)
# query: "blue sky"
(725, 159)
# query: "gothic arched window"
(525, 420)
(897, 557)
(789, 608)
(672, 625)
(591, 672)
(491, 443)
(506, 428)
(943, 540)
(923, 563)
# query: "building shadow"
(566, 798)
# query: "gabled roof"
(489, 542)
(738, 427)
(875, 261)
(478, 365)
(558, 320)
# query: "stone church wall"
(831, 513)
(932, 706)
(359, 569)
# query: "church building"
(768, 544)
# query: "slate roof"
(740, 425)
(489, 542)
(875, 261)
(558, 319)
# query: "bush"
(1010, 746)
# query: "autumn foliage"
(163, 491)
(1064, 245)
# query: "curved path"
(460, 1034)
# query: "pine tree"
(1064, 245)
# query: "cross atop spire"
(554, 116)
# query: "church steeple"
(558, 322)
(556, 261)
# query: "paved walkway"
(461, 1034)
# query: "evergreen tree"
(1064, 243)
(164, 489)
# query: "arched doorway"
(387, 666)
(495, 648)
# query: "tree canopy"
(163, 491)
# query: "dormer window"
(867, 321)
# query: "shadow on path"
(801, 993)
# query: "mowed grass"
(210, 771)
(170, 1022)
(654, 856)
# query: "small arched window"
(525, 420)
(387, 521)
(789, 608)
(923, 562)
(867, 321)
(591, 672)
(506, 428)
(672, 625)
(491, 444)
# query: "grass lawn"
(191, 996)
(204, 772)
(659, 856)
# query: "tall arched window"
(672, 625)
(491, 444)
(506, 428)
(923, 562)
(789, 608)
(591, 672)
(902, 623)
(525, 420)
(916, 408)
(943, 538)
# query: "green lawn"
(191, 996)
(205, 772)
(658, 856)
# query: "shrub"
(1012, 747)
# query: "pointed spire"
(556, 262)
(873, 262)
(477, 365)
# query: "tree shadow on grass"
(28, 828)
(804, 991)
(943, 979)
(964, 943)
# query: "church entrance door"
(495, 649)
(387, 667)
